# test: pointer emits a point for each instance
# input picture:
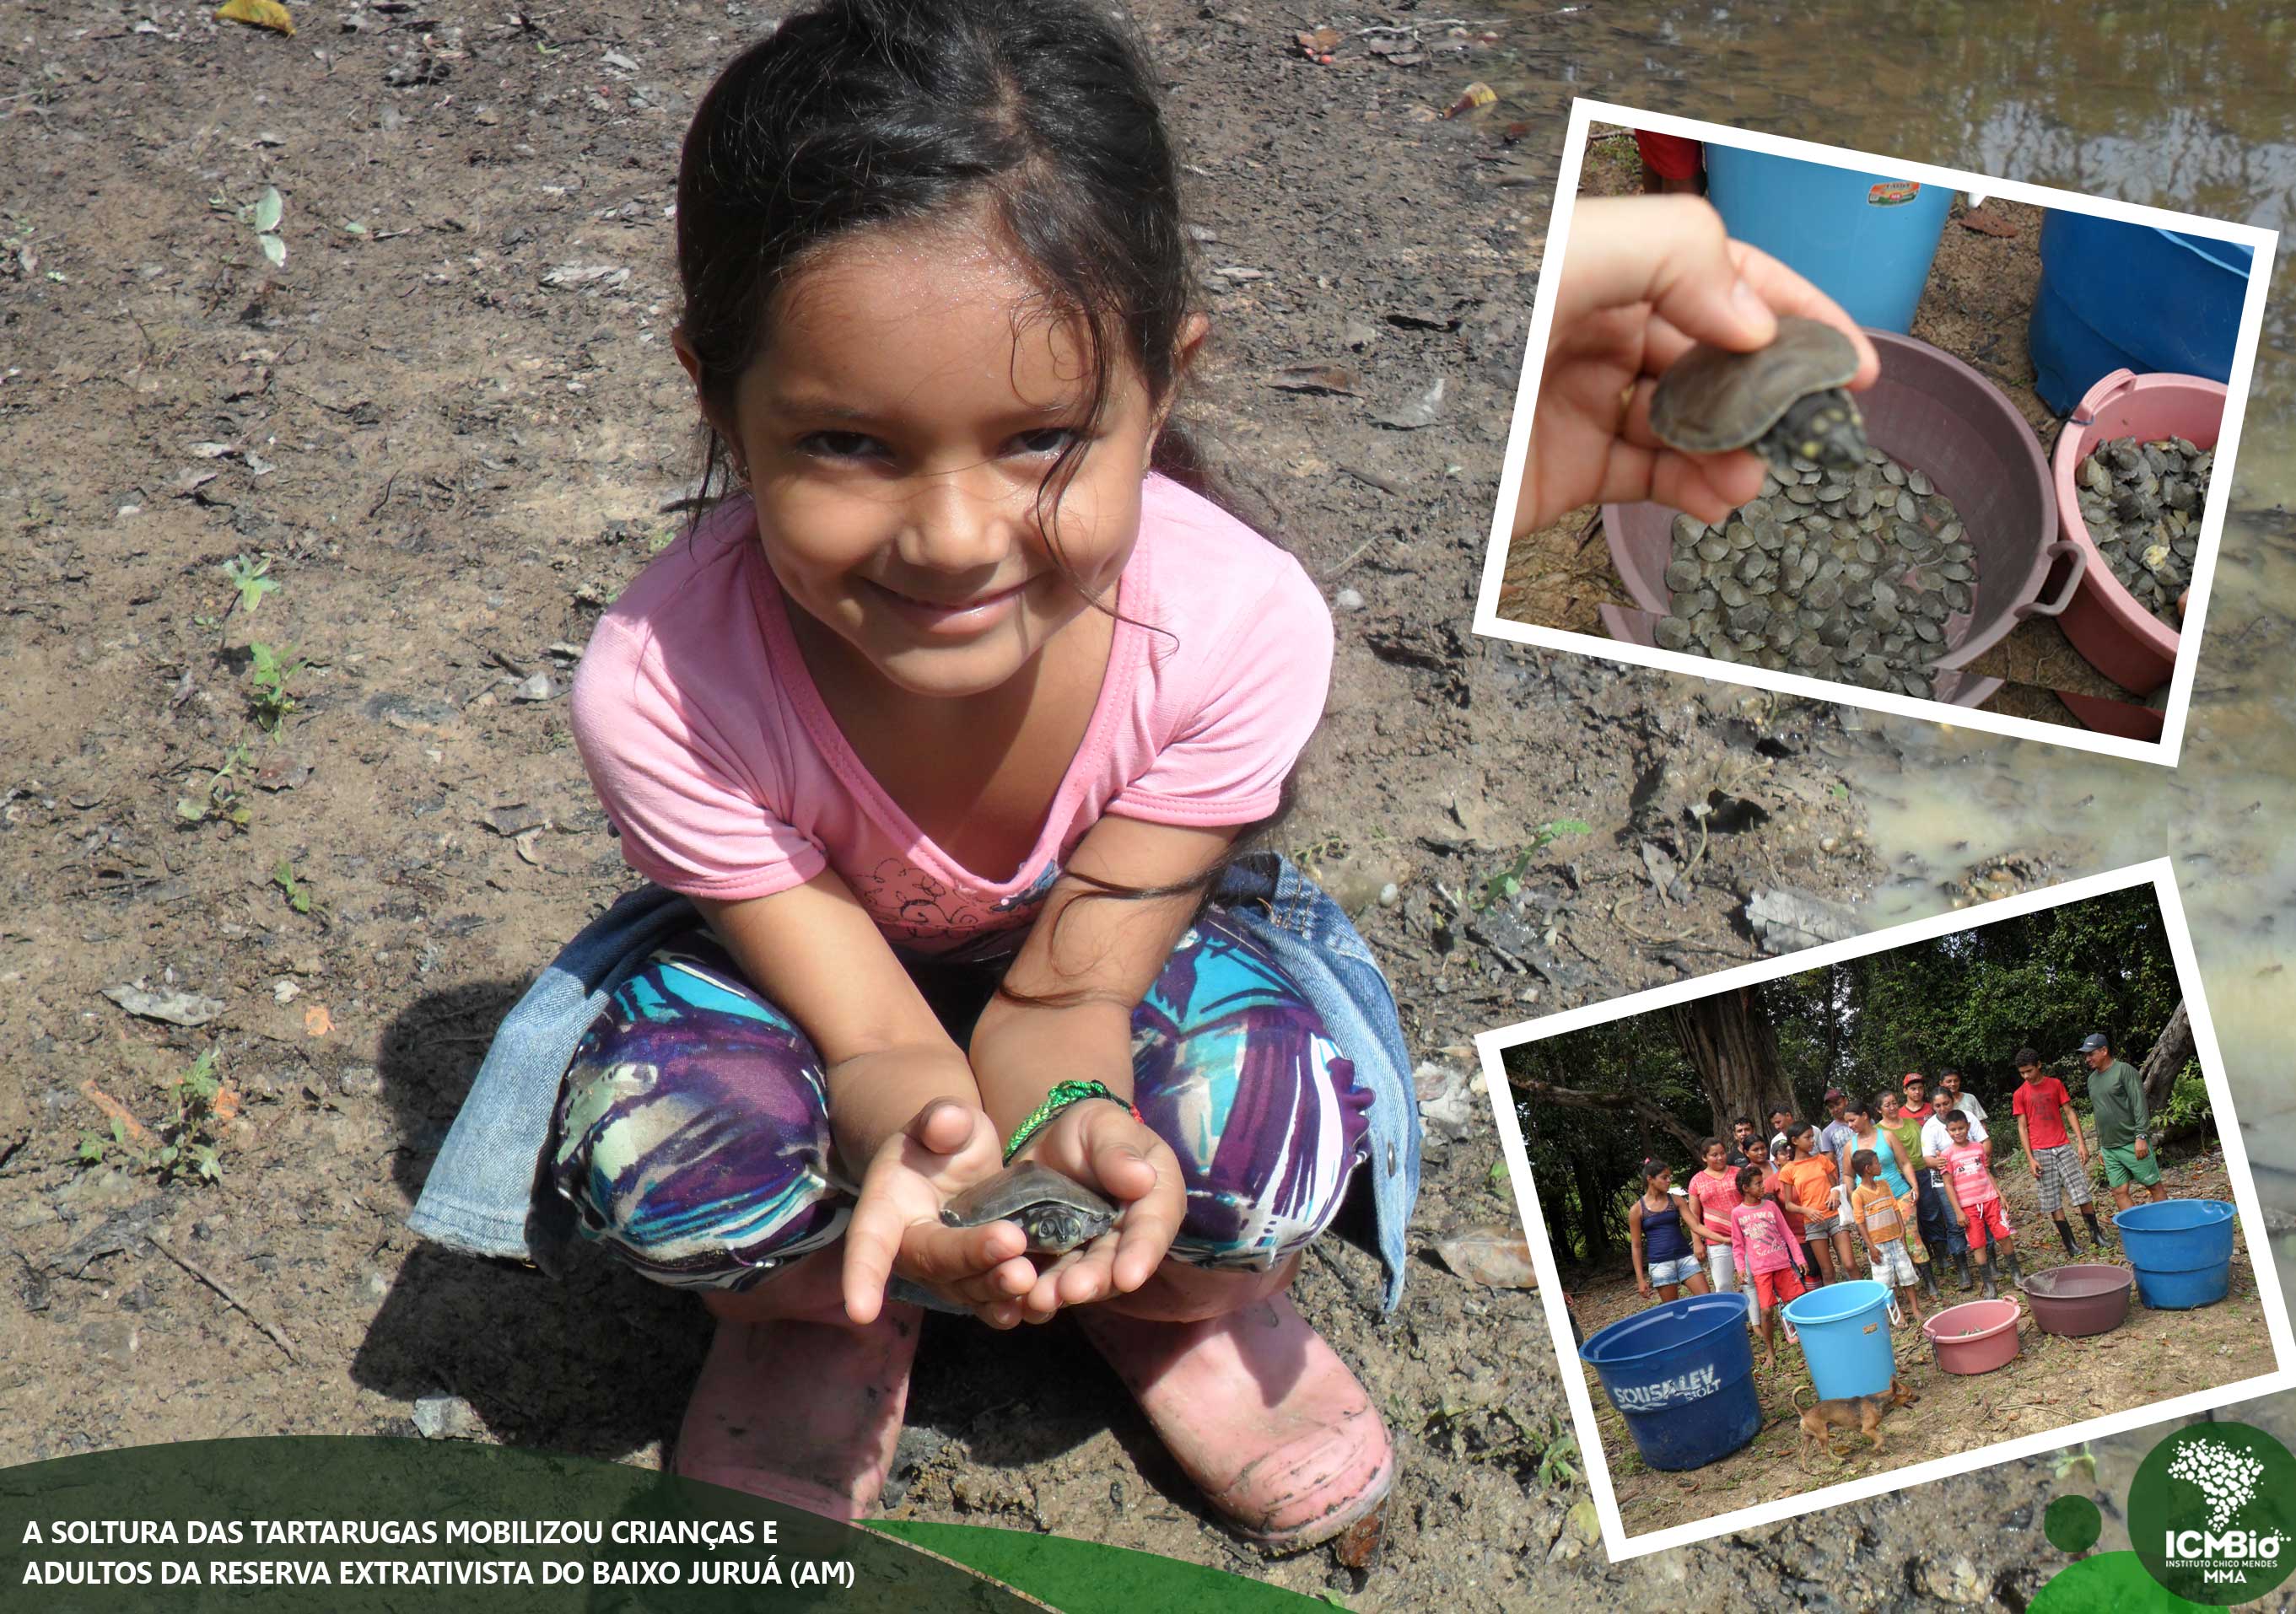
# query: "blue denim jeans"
(488, 1194)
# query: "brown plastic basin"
(2086, 1297)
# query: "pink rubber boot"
(794, 1403)
(1259, 1410)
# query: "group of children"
(1901, 1177)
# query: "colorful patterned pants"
(692, 1131)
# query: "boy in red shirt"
(2044, 1110)
(1967, 1167)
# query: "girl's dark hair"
(872, 112)
(1759, 1142)
(1652, 1167)
(865, 113)
(1708, 1145)
(1858, 1106)
(1795, 1130)
(1749, 1177)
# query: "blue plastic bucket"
(2118, 295)
(1682, 1374)
(2181, 1250)
(1845, 1338)
(1864, 240)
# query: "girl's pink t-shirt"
(1714, 1196)
(715, 760)
(1759, 1239)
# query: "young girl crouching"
(936, 740)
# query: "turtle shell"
(1711, 400)
(1056, 1211)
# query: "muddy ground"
(455, 432)
(1976, 306)
(2053, 1382)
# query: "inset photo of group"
(1968, 458)
(1888, 1210)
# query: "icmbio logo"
(2212, 1512)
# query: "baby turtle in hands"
(1058, 1213)
(1784, 401)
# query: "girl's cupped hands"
(897, 1227)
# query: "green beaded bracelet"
(1061, 1097)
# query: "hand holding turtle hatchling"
(1644, 281)
(1099, 1148)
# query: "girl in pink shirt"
(948, 719)
(1767, 1251)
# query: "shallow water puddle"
(2188, 109)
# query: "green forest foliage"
(1966, 1002)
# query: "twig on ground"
(236, 1304)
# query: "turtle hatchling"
(1784, 401)
(1058, 1213)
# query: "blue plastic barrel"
(2181, 1250)
(1864, 240)
(2118, 295)
(1845, 1338)
(1682, 1373)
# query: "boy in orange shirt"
(1881, 1218)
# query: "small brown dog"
(1863, 1413)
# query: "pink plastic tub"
(1975, 1337)
(2121, 639)
(1933, 413)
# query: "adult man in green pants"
(2116, 1102)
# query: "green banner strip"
(2111, 1583)
(367, 1526)
(1089, 1577)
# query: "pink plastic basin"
(2121, 639)
(1933, 413)
(1975, 1337)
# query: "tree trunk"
(2166, 1059)
(1728, 1041)
(1591, 1208)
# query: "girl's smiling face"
(897, 430)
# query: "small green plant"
(252, 581)
(1497, 1180)
(2188, 1103)
(299, 894)
(223, 797)
(1506, 885)
(1556, 1463)
(185, 1144)
(271, 672)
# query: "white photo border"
(2162, 751)
(1491, 1045)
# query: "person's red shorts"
(1982, 1217)
(1775, 1289)
(1670, 156)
